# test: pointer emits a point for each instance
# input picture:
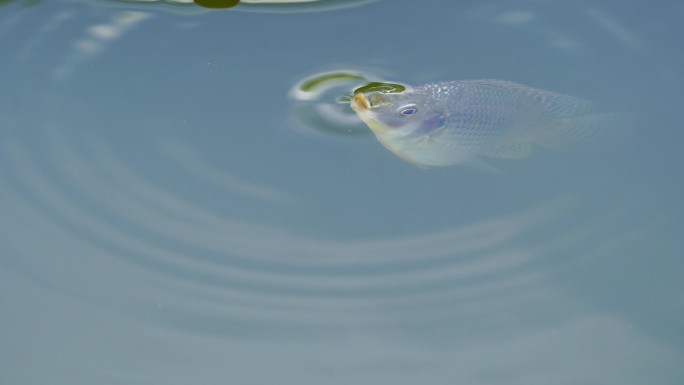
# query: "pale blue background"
(164, 221)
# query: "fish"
(452, 122)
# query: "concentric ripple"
(77, 209)
(322, 102)
(79, 215)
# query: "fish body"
(452, 122)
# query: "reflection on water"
(95, 40)
(622, 34)
(50, 26)
(247, 5)
(26, 3)
(217, 4)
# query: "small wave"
(104, 218)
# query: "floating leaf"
(385, 88)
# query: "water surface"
(170, 213)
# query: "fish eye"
(408, 109)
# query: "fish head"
(396, 114)
(406, 123)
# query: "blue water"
(168, 215)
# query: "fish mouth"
(363, 108)
(360, 102)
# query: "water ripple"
(142, 244)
